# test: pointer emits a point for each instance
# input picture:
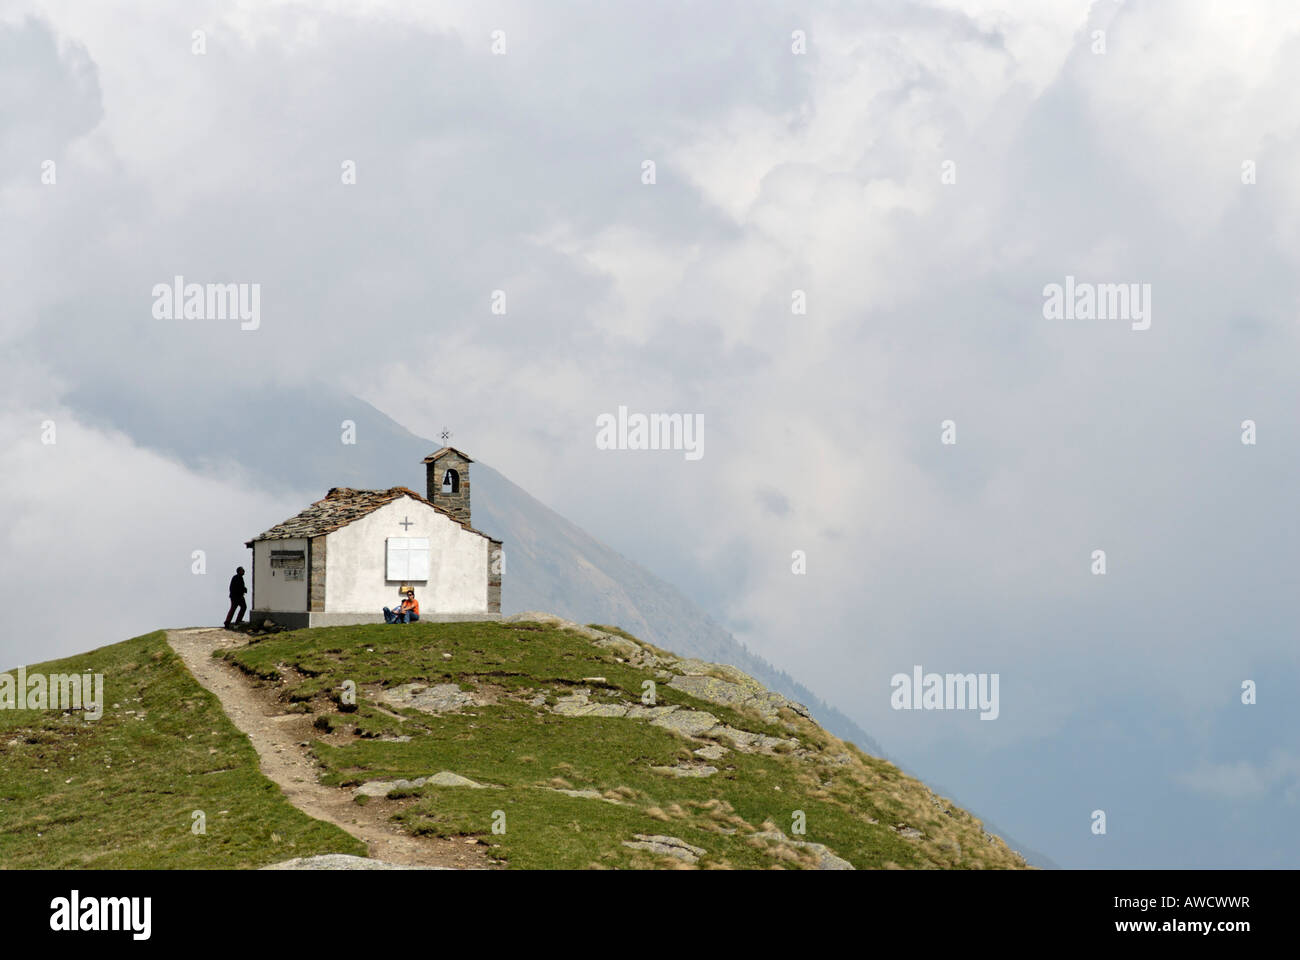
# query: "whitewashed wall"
(270, 589)
(355, 572)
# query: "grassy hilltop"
(589, 747)
(120, 792)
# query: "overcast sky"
(1137, 142)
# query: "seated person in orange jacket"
(408, 612)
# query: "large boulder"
(666, 846)
(440, 698)
(737, 690)
(825, 859)
(342, 861)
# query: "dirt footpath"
(278, 737)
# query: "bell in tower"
(447, 476)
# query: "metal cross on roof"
(405, 524)
(445, 435)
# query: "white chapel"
(344, 558)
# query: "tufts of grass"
(529, 755)
(122, 791)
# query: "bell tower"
(447, 482)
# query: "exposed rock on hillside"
(581, 746)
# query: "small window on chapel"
(451, 482)
(292, 564)
(407, 558)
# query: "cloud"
(818, 174)
(103, 536)
(1246, 780)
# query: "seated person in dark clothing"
(408, 612)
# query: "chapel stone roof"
(341, 506)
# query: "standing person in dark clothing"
(237, 593)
